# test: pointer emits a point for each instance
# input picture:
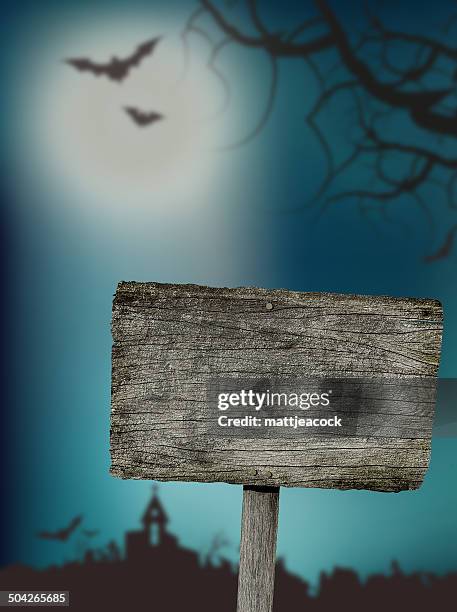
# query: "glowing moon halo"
(93, 146)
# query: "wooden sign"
(173, 343)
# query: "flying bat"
(445, 249)
(141, 118)
(61, 534)
(116, 69)
(91, 533)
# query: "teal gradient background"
(67, 257)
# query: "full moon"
(93, 147)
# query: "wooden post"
(259, 526)
(173, 342)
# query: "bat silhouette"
(91, 533)
(61, 534)
(141, 118)
(116, 69)
(445, 249)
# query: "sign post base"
(259, 527)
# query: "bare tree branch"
(380, 90)
(272, 42)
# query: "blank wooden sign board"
(347, 382)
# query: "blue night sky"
(91, 201)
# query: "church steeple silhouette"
(155, 520)
(153, 539)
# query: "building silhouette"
(156, 573)
(153, 544)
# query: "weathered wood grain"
(259, 526)
(169, 340)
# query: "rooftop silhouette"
(156, 573)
